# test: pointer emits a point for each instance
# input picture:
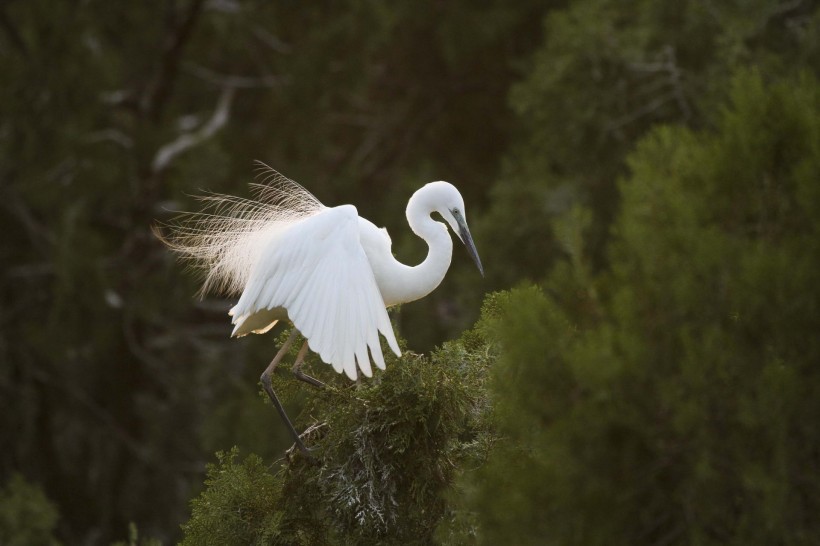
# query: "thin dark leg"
(266, 384)
(297, 369)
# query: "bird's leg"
(266, 384)
(297, 368)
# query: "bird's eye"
(455, 211)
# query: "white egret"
(326, 269)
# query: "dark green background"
(646, 172)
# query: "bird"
(327, 270)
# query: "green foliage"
(606, 72)
(673, 398)
(27, 517)
(387, 449)
(115, 383)
(238, 506)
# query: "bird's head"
(447, 201)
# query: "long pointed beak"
(467, 239)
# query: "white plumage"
(328, 271)
(318, 271)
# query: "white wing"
(318, 271)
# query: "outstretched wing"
(318, 272)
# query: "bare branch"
(670, 76)
(273, 42)
(184, 142)
(647, 109)
(237, 82)
(110, 135)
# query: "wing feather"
(312, 302)
(319, 273)
(327, 322)
(349, 356)
(320, 324)
(360, 338)
(373, 337)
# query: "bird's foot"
(310, 433)
(309, 379)
(307, 453)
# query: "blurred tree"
(100, 404)
(27, 517)
(672, 399)
(397, 97)
(606, 73)
(115, 383)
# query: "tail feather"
(225, 240)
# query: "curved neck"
(405, 283)
(431, 271)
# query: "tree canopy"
(642, 184)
